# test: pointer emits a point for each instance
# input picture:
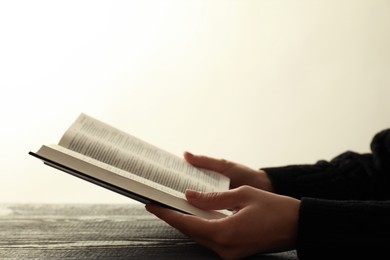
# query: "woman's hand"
(238, 174)
(264, 222)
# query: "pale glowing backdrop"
(264, 83)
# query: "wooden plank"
(40, 231)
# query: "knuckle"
(222, 239)
(226, 244)
(210, 196)
(246, 192)
(226, 238)
(225, 164)
(244, 189)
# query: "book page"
(118, 171)
(109, 145)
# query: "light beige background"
(264, 83)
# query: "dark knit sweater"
(345, 203)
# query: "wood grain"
(63, 231)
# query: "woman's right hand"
(263, 222)
(239, 174)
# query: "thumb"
(215, 200)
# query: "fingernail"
(192, 194)
(188, 153)
(147, 207)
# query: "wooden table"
(63, 231)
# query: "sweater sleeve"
(345, 203)
(348, 176)
(330, 229)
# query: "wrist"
(293, 219)
(286, 233)
(262, 181)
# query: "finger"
(198, 229)
(195, 227)
(218, 165)
(216, 200)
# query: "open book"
(101, 154)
